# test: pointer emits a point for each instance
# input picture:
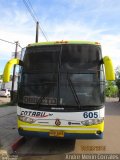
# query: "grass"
(7, 104)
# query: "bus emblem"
(57, 122)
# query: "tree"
(111, 89)
(117, 71)
(1, 76)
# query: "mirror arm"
(7, 69)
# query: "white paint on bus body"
(66, 118)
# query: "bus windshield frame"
(66, 76)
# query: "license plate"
(56, 133)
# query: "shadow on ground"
(42, 146)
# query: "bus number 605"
(90, 114)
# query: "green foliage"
(1, 77)
(111, 89)
(118, 80)
(118, 83)
(118, 77)
(117, 71)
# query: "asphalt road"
(44, 149)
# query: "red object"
(18, 143)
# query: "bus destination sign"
(39, 100)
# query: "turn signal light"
(97, 43)
(61, 42)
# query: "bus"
(61, 89)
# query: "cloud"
(67, 31)
(111, 47)
(79, 31)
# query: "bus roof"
(63, 42)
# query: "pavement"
(8, 126)
(44, 149)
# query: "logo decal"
(35, 114)
(57, 122)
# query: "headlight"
(92, 122)
(26, 119)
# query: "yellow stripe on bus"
(67, 129)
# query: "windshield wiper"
(58, 84)
(73, 91)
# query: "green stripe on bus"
(63, 42)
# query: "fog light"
(98, 132)
(20, 129)
(92, 122)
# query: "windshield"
(73, 58)
(63, 75)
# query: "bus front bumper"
(26, 133)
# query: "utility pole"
(13, 78)
(37, 32)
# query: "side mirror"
(7, 69)
(109, 70)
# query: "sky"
(91, 20)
